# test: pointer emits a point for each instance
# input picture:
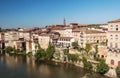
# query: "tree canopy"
(41, 54)
(88, 47)
(75, 44)
(118, 72)
(102, 67)
(87, 65)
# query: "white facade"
(113, 35)
(11, 36)
(104, 25)
(65, 41)
(68, 32)
(25, 35)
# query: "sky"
(39, 13)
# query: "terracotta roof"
(92, 31)
(114, 21)
(58, 29)
(82, 25)
(65, 37)
(78, 29)
(44, 34)
(73, 23)
(86, 31)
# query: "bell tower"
(64, 22)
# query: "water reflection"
(25, 67)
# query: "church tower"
(64, 22)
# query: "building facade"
(113, 35)
(44, 40)
(65, 42)
(91, 36)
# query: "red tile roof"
(114, 21)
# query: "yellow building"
(91, 36)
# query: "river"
(25, 67)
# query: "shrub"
(102, 67)
(118, 72)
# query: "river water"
(25, 67)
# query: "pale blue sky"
(30, 13)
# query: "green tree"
(118, 72)
(103, 43)
(80, 49)
(29, 54)
(50, 51)
(102, 67)
(87, 65)
(96, 50)
(75, 44)
(88, 47)
(66, 51)
(40, 54)
(9, 49)
(73, 57)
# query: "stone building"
(113, 35)
(44, 40)
(65, 42)
(91, 36)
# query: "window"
(116, 38)
(110, 45)
(116, 29)
(116, 25)
(116, 45)
(116, 35)
(112, 62)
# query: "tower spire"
(64, 22)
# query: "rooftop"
(92, 31)
(65, 37)
(114, 21)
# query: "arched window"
(112, 62)
(102, 56)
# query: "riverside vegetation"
(85, 54)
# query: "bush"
(41, 54)
(9, 49)
(118, 72)
(50, 51)
(102, 67)
(29, 53)
(75, 44)
(87, 65)
(73, 57)
(88, 47)
(66, 51)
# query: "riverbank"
(111, 73)
(23, 66)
